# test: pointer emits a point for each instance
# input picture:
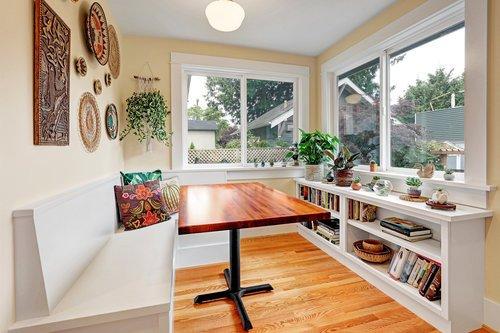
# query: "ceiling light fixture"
(225, 15)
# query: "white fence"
(233, 155)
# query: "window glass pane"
(213, 120)
(270, 120)
(427, 102)
(359, 110)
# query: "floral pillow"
(141, 205)
(133, 178)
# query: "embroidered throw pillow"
(133, 178)
(141, 205)
(171, 190)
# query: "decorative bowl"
(372, 245)
(374, 257)
(382, 187)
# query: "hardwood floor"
(313, 293)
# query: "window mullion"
(243, 118)
(385, 118)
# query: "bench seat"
(131, 277)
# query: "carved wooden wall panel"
(51, 77)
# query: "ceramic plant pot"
(343, 178)
(414, 192)
(314, 173)
(356, 186)
(449, 176)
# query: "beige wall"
(201, 139)
(493, 227)
(32, 172)
(137, 51)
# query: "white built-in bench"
(75, 272)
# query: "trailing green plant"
(413, 182)
(344, 160)
(146, 117)
(312, 146)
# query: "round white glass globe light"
(225, 15)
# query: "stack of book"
(329, 230)
(405, 229)
(417, 271)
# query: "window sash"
(243, 78)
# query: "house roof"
(443, 125)
(355, 89)
(274, 116)
(202, 125)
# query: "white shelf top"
(429, 248)
(462, 213)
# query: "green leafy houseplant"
(146, 117)
(414, 184)
(311, 149)
(342, 165)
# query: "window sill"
(438, 181)
(234, 172)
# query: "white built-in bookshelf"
(457, 245)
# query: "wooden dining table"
(235, 206)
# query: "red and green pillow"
(141, 205)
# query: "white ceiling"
(298, 26)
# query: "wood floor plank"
(313, 293)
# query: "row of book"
(320, 198)
(405, 229)
(417, 271)
(361, 211)
(329, 230)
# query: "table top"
(206, 208)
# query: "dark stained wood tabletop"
(206, 208)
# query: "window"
(427, 102)
(270, 119)
(359, 110)
(421, 85)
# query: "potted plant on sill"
(146, 118)
(311, 149)
(449, 174)
(356, 184)
(414, 184)
(342, 166)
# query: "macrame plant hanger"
(146, 83)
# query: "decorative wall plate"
(111, 121)
(89, 122)
(114, 53)
(97, 87)
(98, 34)
(81, 66)
(107, 79)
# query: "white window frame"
(430, 18)
(183, 65)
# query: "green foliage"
(191, 146)
(357, 180)
(448, 171)
(344, 160)
(312, 146)
(146, 117)
(413, 181)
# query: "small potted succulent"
(356, 183)
(449, 174)
(311, 149)
(414, 184)
(373, 166)
(293, 153)
(342, 166)
(271, 163)
(255, 163)
(370, 185)
(262, 163)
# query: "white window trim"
(429, 18)
(182, 64)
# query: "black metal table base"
(234, 292)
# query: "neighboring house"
(275, 124)
(201, 133)
(446, 126)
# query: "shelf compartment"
(311, 234)
(429, 248)
(380, 271)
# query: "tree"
(262, 95)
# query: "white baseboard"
(492, 314)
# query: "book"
(408, 238)
(404, 224)
(426, 274)
(434, 291)
(408, 267)
(398, 266)
(403, 231)
(424, 285)
(420, 274)
(355, 208)
(414, 271)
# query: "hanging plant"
(146, 117)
